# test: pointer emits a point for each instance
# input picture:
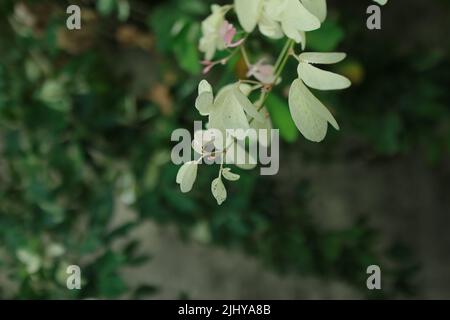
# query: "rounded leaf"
(205, 99)
(187, 175)
(322, 57)
(320, 79)
(230, 176)
(204, 86)
(310, 116)
(228, 113)
(218, 190)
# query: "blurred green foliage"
(79, 143)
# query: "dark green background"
(85, 124)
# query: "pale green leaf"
(205, 99)
(245, 88)
(187, 175)
(309, 114)
(227, 112)
(322, 57)
(204, 86)
(230, 176)
(204, 103)
(248, 107)
(218, 190)
(238, 155)
(320, 79)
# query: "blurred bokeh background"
(86, 177)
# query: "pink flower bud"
(262, 72)
(227, 32)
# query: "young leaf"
(218, 190)
(205, 99)
(187, 175)
(230, 176)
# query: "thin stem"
(280, 57)
(233, 53)
(250, 82)
(285, 59)
(221, 169)
(281, 62)
(244, 55)
(287, 53)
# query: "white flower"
(212, 30)
(268, 26)
(249, 13)
(317, 8)
(187, 175)
(309, 114)
(277, 17)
